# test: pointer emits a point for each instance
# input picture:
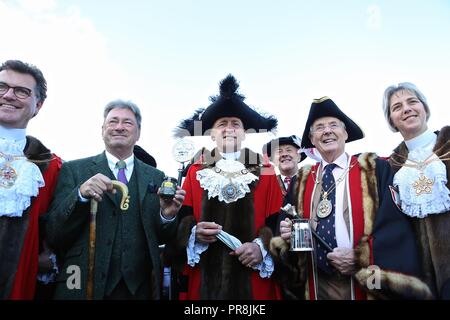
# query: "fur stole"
(294, 285)
(37, 152)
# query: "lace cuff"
(164, 219)
(266, 266)
(50, 276)
(194, 249)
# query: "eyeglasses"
(19, 92)
(321, 128)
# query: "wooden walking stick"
(124, 204)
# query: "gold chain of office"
(423, 185)
(325, 206)
(8, 175)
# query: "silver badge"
(183, 150)
(230, 192)
(324, 209)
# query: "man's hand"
(285, 229)
(249, 254)
(169, 208)
(206, 231)
(96, 186)
(343, 259)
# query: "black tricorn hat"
(228, 103)
(274, 143)
(325, 107)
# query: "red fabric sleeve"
(25, 281)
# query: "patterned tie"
(287, 182)
(326, 227)
(121, 165)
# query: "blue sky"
(168, 57)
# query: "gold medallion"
(423, 185)
(8, 176)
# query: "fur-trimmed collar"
(37, 152)
(294, 278)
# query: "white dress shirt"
(112, 161)
(342, 235)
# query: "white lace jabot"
(422, 188)
(228, 180)
(16, 193)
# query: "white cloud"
(374, 18)
(80, 73)
(37, 6)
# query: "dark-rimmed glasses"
(19, 92)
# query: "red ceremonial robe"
(23, 287)
(267, 200)
(357, 217)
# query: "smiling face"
(328, 135)
(228, 133)
(120, 132)
(286, 158)
(16, 112)
(407, 114)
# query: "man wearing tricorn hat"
(228, 190)
(348, 203)
(286, 155)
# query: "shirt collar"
(341, 161)
(231, 155)
(423, 140)
(283, 176)
(112, 160)
(12, 133)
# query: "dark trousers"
(45, 291)
(121, 292)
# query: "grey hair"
(121, 104)
(391, 90)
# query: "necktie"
(326, 226)
(287, 182)
(121, 165)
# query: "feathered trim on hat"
(229, 103)
(186, 126)
(227, 89)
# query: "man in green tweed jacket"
(127, 261)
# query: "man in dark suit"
(127, 262)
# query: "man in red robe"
(28, 174)
(231, 205)
(365, 247)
